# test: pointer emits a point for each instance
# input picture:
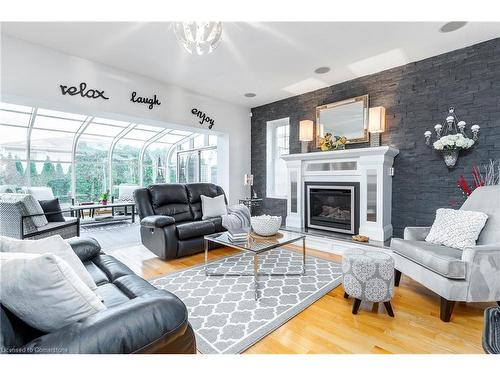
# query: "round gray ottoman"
(368, 275)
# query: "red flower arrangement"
(477, 180)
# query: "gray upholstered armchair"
(470, 275)
(20, 219)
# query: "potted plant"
(104, 197)
(450, 145)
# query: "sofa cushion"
(52, 205)
(53, 225)
(195, 229)
(111, 295)
(24, 205)
(195, 191)
(133, 286)
(45, 292)
(98, 275)
(217, 221)
(170, 200)
(445, 261)
(456, 228)
(54, 245)
(112, 268)
(39, 192)
(213, 207)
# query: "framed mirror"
(347, 118)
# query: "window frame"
(272, 157)
(198, 166)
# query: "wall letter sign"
(203, 117)
(139, 99)
(83, 91)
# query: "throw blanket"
(237, 219)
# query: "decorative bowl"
(266, 225)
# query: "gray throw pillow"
(456, 228)
(53, 244)
(52, 205)
(43, 291)
(27, 205)
(213, 207)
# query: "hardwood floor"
(328, 326)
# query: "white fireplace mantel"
(371, 167)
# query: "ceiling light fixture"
(198, 38)
(322, 70)
(452, 26)
(250, 95)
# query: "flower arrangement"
(330, 142)
(453, 142)
(490, 175)
(450, 145)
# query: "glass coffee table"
(257, 245)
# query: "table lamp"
(306, 134)
(248, 181)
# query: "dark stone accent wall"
(416, 96)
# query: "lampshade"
(376, 120)
(248, 179)
(306, 131)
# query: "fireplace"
(368, 169)
(332, 206)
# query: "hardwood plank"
(328, 326)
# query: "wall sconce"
(306, 134)
(376, 124)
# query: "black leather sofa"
(139, 318)
(171, 218)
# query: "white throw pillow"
(44, 291)
(456, 228)
(213, 207)
(54, 245)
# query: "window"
(187, 166)
(81, 156)
(197, 160)
(91, 163)
(278, 144)
(126, 163)
(208, 165)
(14, 123)
(155, 164)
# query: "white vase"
(450, 157)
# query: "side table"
(251, 203)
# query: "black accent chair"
(171, 218)
(139, 318)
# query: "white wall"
(31, 75)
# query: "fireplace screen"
(331, 208)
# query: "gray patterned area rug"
(222, 309)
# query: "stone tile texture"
(416, 96)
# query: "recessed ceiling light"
(452, 26)
(322, 70)
(250, 94)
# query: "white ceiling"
(275, 60)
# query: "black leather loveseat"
(171, 218)
(139, 318)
